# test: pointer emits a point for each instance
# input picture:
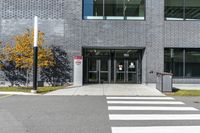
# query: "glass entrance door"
(93, 70)
(103, 70)
(112, 65)
(132, 71)
(98, 70)
(120, 71)
(126, 71)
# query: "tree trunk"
(27, 77)
(12, 84)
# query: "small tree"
(12, 74)
(60, 72)
(1, 55)
(22, 52)
(8, 67)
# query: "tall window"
(114, 9)
(192, 9)
(182, 9)
(182, 62)
(93, 9)
(174, 9)
(192, 63)
(174, 61)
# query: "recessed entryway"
(112, 65)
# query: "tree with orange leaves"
(22, 52)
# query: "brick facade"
(62, 22)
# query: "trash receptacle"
(164, 82)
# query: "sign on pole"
(78, 70)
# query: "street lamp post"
(35, 57)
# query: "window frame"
(183, 71)
(184, 18)
(184, 62)
(124, 17)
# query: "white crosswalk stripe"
(131, 106)
(145, 98)
(161, 129)
(155, 117)
(152, 108)
(145, 102)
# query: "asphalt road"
(76, 114)
(190, 101)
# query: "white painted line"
(2, 97)
(161, 129)
(145, 102)
(154, 117)
(152, 108)
(144, 98)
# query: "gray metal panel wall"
(27, 9)
(154, 34)
(17, 15)
(0, 16)
(184, 34)
(1, 74)
(119, 33)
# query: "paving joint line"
(6, 96)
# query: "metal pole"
(35, 57)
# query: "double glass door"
(112, 65)
(121, 71)
(98, 70)
(126, 71)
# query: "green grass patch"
(185, 93)
(41, 90)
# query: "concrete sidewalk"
(187, 86)
(17, 93)
(109, 90)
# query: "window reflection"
(114, 9)
(182, 9)
(192, 9)
(134, 9)
(174, 9)
(93, 9)
(174, 61)
(192, 63)
(182, 62)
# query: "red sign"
(78, 57)
(78, 62)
